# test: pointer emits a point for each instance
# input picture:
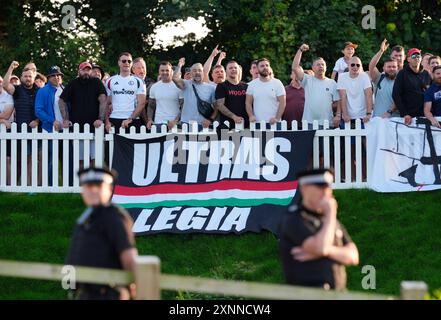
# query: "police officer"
(103, 235)
(314, 246)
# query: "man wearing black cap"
(314, 246)
(46, 101)
(97, 71)
(102, 236)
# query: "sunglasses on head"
(415, 55)
(126, 61)
(355, 64)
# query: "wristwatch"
(389, 111)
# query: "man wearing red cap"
(87, 99)
(86, 96)
(409, 87)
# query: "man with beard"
(266, 96)
(24, 99)
(23, 95)
(230, 97)
(409, 87)
(86, 97)
(83, 101)
(193, 90)
(432, 98)
(384, 82)
(166, 99)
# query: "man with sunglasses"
(409, 87)
(355, 90)
(127, 94)
(314, 246)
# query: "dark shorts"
(137, 123)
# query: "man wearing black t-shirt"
(83, 100)
(230, 97)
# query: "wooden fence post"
(413, 290)
(99, 146)
(147, 278)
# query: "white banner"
(403, 158)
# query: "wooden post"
(99, 146)
(413, 290)
(147, 277)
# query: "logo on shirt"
(116, 83)
(437, 95)
(131, 83)
(123, 91)
(237, 92)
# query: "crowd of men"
(130, 98)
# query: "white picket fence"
(23, 171)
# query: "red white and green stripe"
(238, 193)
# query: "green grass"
(396, 233)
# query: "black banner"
(232, 183)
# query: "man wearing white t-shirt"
(127, 94)
(6, 106)
(356, 92)
(166, 99)
(266, 96)
(321, 95)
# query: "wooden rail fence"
(149, 282)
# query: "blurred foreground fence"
(149, 282)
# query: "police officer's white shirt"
(167, 97)
(124, 91)
(6, 100)
(265, 97)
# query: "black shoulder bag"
(205, 108)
